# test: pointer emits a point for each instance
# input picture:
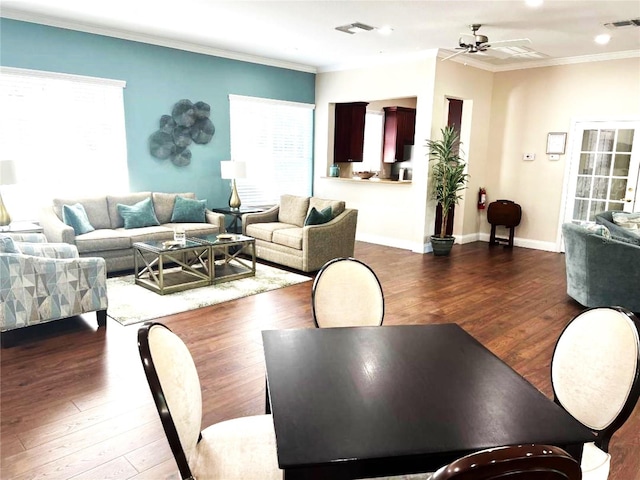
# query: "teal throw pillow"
(139, 215)
(76, 217)
(188, 210)
(7, 245)
(316, 217)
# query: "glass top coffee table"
(167, 267)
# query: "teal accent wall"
(157, 77)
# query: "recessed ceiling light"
(603, 39)
(386, 30)
(534, 3)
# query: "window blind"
(275, 140)
(66, 135)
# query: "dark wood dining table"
(360, 402)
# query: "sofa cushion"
(264, 231)
(196, 229)
(289, 237)
(337, 206)
(163, 204)
(188, 210)
(127, 199)
(293, 209)
(95, 208)
(139, 215)
(76, 217)
(103, 240)
(316, 217)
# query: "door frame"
(571, 143)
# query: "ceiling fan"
(476, 43)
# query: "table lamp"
(232, 170)
(7, 177)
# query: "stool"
(504, 213)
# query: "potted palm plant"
(448, 180)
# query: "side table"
(22, 227)
(236, 213)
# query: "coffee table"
(165, 267)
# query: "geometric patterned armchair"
(41, 282)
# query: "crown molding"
(151, 39)
(554, 62)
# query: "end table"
(236, 222)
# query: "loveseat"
(303, 233)
(106, 234)
(601, 271)
(43, 282)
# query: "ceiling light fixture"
(603, 39)
(386, 30)
(534, 3)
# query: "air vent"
(355, 27)
(623, 24)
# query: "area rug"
(130, 303)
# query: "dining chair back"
(525, 462)
(595, 375)
(231, 450)
(346, 292)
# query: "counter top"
(370, 180)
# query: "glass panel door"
(604, 170)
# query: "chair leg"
(492, 238)
(102, 318)
(512, 231)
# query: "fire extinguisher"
(482, 198)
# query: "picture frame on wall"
(556, 142)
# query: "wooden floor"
(75, 403)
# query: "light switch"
(554, 156)
(529, 156)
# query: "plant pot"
(442, 246)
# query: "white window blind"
(65, 134)
(373, 136)
(275, 140)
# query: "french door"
(603, 173)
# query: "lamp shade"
(7, 172)
(232, 170)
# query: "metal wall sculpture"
(189, 122)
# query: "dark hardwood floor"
(75, 403)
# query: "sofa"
(110, 238)
(303, 233)
(43, 282)
(601, 271)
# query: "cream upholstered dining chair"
(238, 449)
(525, 462)
(595, 374)
(346, 293)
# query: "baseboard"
(390, 242)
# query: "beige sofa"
(282, 237)
(110, 240)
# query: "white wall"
(526, 106)
(390, 214)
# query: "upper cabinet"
(399, 131)
(349, 132)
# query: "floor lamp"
(7, 177)
(231, 170)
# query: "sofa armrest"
(267, 216)
(55, 229)
(216, 219)
(330, 240)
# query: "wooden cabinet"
(399, 130)
(349, 132)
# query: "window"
(373, 136)
(66, 135)
(275, 140)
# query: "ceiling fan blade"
(518, 42)
(454, 55)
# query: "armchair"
(43, 282)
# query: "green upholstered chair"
(42, 282)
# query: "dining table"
(362, 402)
